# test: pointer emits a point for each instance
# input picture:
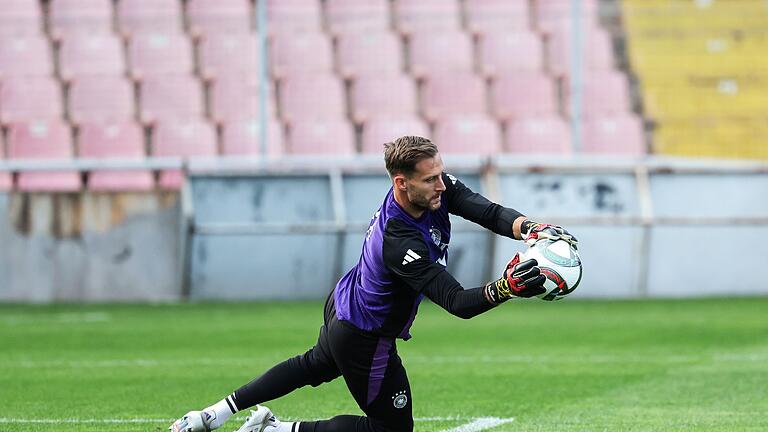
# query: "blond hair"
(402, 155)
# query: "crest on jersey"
(436, 236)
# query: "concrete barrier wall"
(292, 234)
(89, 247)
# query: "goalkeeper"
(404, 255)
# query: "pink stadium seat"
(523, 95)
(321, 137)
(293, 16)
(369, 53)
(159, 54)
(432, 52)
(509, 53)
(311, 97)
(101, 98)
(598, 52)
(171, 97)
(357, 16)
(25, 56)
(33, 98)
(242, 138)
(477, 134)
(493, 16)
(604, 92)
(85, 54)
(208, 17)
(450, 94)
(427, 15)
(617, 134)
(79, 16)
(183, 139)
(236, 97)
(119, 140)
(43, 140)
(554, 16)
(378, 131)
(540, 134)
(21, 18)
(302, 53)
(383, 96)
(228, 54)
(139, 16)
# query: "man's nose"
(440, 184)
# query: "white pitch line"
(481, 424)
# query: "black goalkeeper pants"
(370, 366)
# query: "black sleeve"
(448, 293)
(477, 208)
(407, 257)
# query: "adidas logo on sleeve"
(410, 257)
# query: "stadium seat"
(101, 98)
(369, 53)
(433, 52)
(170, 98)
(79, 16)
(236, 97)
(43, 140)
(523, 94)
(508, 53)
(383, 96)
(21, 18)
(617, 134)
(243, 138)
(90, 54)
(32, 98)
(598, 52)
(228, 54)
(182, 139)
(140, 16)
(555, 16)
(25, 56)
(159, 54)
(293, 16)
(449, 94)
(476, 134)
(378, 131)
(302, 53)
(328, 136)
(210, 17)
(119, 140)
(357, 16)
(494, 16)
(427, 15)
(539, 134)
(311, 97)
(604, 92)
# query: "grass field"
(568, 366)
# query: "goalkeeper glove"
(534, 231)
(520, 279)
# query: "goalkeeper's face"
(425, 185)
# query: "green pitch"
(527, 366)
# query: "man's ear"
(400, 182)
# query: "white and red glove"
(519, 279)
(534, 231)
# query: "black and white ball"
(560, 263)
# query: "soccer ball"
(560, 263)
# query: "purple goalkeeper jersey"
(402, 254)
